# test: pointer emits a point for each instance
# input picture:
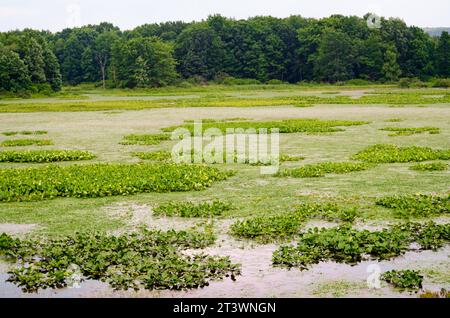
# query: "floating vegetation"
(25, 132)
(416, 205)
(404, 279)
(101, 180)
(149, 139)
(210, 120)
(408, 131)
(160, 156)
(25, 142)
(321, 169)
(284, 158)
(393, 120)
(346, 245)
(39, 156)
(289, 224)
(141, 260)
(284, 126)
(383, 153)
(191, 209)
(221, 100)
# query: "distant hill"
(436, 31)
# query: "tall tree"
(143, 61)
(102, 52)
(335, 55)
(52, 70)
(443, 55)
(391, 70)
(32, 54)
(369, 57)
(199, 51)
(13, 71)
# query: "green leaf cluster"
(101, 180)
(191, 209)
(143, 259)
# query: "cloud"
(54, 15)
(17, 12)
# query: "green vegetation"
(433, 166)
(408, 131)
(143, 62)
(166, 156)
(284, 126)
(210, 120)
(25, 132)
(284, 158)
(390, 154)
(288, 224)
(323, 168)
(160, 156)
(227, 51)
(404, 279)
(39, 156)
(153, 139)
(393, 120)
(28, 64)
(346, 245)
(338, 288)
(100, 180)
(268, 228)
(25, 142)
(416, 205)
(145, 259)
(191, 209)
(218, 98)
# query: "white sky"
(55, 15)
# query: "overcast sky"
(55, 15)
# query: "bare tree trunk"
(102, 63)
(103, 76)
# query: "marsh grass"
(316, 170)
(416, 205)
(40, 156)
(408, 131)
(160, 156)
(103, 180)
(25, 142)
(25, 132)
(192, 209)
(284, 126)
(145, 139)
(384, 153)
(222, 100)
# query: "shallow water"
(260, 279)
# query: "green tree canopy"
(143, 62)
(14, 74)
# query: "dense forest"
(259, 49)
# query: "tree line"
(262, 49)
